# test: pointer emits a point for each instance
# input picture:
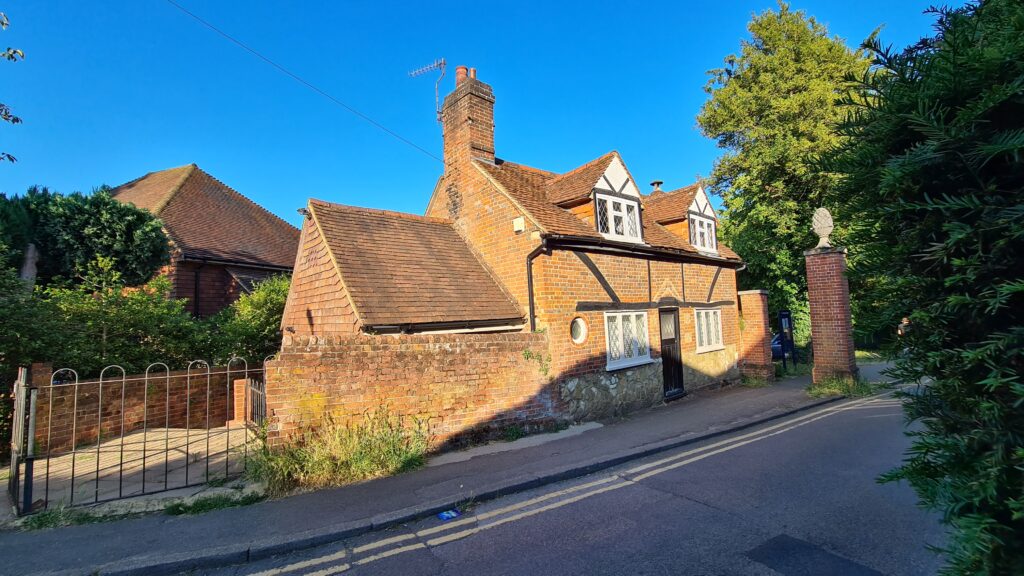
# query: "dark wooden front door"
(671, 359)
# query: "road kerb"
(227, 556)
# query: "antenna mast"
(438, 64)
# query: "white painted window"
(702, 234)
(618, 218)
(626, 338)
(708, 326)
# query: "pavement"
(161, 544)
(797, 496)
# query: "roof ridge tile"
(382, 212)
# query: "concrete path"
(140, 462)
(165, 544)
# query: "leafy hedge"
(934, 186)
(101, 321)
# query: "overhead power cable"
(304, 82)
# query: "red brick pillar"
(831, 327)
(755, 335)
(39, 375)
(238, 408)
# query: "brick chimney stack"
(468, 118)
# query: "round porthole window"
(578, 330)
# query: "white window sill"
(711, 349)
(620, 365)
(627, 239)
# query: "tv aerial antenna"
(438, 64)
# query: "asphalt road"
(796, 497)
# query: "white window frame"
(610, 213)
(707, 329)
(631, 347)
(707, 225)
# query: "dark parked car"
(777, 347)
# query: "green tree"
(28, 332)
(11, 55)
(72, 230)
(933, 170)
(775, 109)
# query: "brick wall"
(217, 289)
(71, 415)
(318, 303)
(831, 327)
(564, 281)
(459, 385)
(755, 335)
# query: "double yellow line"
(438, 535)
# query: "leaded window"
(618, 218)
(708, 328)
(702, 234)
(627, 340)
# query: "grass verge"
(754, 382)
(210, 503)
(839, 386)
(60, 516)
(329, 454)
(868, 357)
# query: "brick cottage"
(221, 242)
(522, 296)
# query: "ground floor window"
(626, 338)
(708, 325)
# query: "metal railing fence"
(85, 441)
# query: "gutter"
(603, 246)
(439, 327)
(187, 258)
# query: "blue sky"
(109, 91)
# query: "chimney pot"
(657, 185)
(472, 73)
(460, 74)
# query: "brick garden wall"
(755, 342)
(460, 385)
(164, 400)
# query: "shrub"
(329, 454)
(27, 333)
(251, 327)
(102, 322)
(934, 182)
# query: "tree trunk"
(28, 267)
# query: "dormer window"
(618, 218)
(702, 233)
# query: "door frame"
(680, 391)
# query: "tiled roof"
(578, 183)
(531, 189)
(406, 269)
(672, 205)
(208, 220)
